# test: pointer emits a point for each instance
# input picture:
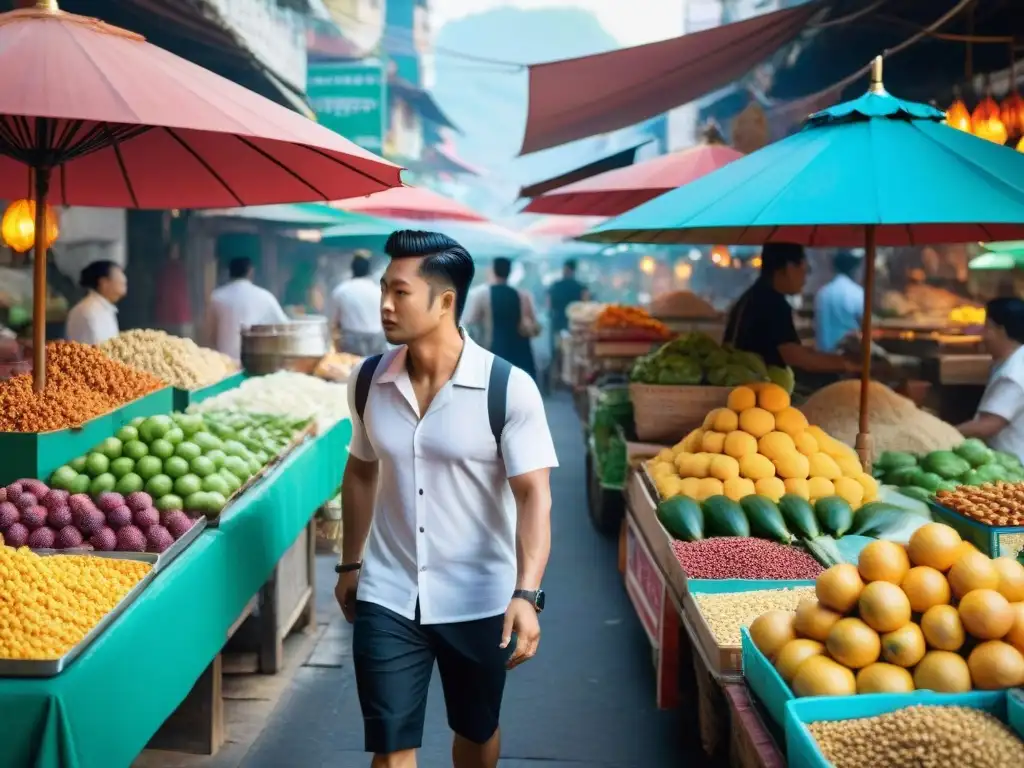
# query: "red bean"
(743, 558)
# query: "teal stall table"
(183, 398)
(37, 454)
(105, 708)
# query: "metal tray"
(53, 667)
(158, 561)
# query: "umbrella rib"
(185, 145)
(282, 166)
(116, 145)
(349, 166)
(910, 234)
(62, 172)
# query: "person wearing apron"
(761, 321)
(1000, 417)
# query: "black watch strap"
(534, 597)
(347, 567)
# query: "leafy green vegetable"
(892, 460)
(946, 464)
(974, 451)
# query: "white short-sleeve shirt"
(237, 305)
(1004, 397)
(444, 523)
(93, 320)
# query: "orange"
(925, 587)
(986, 614)
(883, 561)
(971, 571)
(935, 545)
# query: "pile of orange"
(936, 615)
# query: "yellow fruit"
(689, 486)
(658, 468)
(883, 606)
(741, 398)
(925, 587)
(773, 398)
(850, 466)
(757, 422)
(905, 646)
(996, 665)
(942, 628)
(712, 442)
(850, 490)
(839, 588)
(853, 643)
(693, 464)
(813, 620)
(823, 465)
(708, 487)
(870, 486)
(1015, 636)
(820, 676)
(965, 547)
(883, 561)
(668, 486)
(793, 466)
(709, 419)
(755, 466)
(942, 671)
(972, 571)
(772, 630)
(1011, 578)
(884, 678)
(986, 614)
(798, 487)
(725, 420)
(772, 487)
(664, 455)
(724, 467)
(935, 545)
(691, 443)
(791, 421)
(775, 445)
(819, 488)
(737, 488)
(739, 444)
(793, 654)
(806, 444)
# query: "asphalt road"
(587, 699)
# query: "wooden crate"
(641, 505)
(288, 599)
(712, 710)
(751, 743)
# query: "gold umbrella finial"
(876, 76)
(47, 5)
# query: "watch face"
(539, 601)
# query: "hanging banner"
(350, 98)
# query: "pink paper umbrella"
(98, 116)
(562, 227)
(410, 203)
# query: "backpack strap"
(363, 381)
(497, 397)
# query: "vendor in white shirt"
(93, 320)
(1000, 418)
(236, 305)
(355, 310)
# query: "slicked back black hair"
(360, 266)
(445, 263)
(502, 268)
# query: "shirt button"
(421, 491)
(421, 529)
(423, 569)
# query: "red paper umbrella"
(97, 116)
(614, 192)
(409, 203)
(562, 227)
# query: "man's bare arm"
(811, 360)
(532, 492)
(358, 493)
(984, 426)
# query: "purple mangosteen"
(58, 517)
(16, 535)
(42, 538)
(139, 500)
(158, 538)
(26, 500)
(69, 537)
(33, 517)
(130, 539)
(110, 501)
(104, 540)
(55, 498)
(119, 517)
(9, 515)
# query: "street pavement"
(586, 699)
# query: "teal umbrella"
(873, 171)
(295, 214)
(999, 256)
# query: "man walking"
(447, 514)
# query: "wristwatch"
(347, 567)
(535, 597)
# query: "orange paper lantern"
(1011, 112)
(18, 227)
(958, 117)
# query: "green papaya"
(724, 517)
(799, 516)
(765, 519)
(835, 515)
(682, 517)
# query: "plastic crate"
(183, 398)
(723, 659)
(802, 750)
(763, 680)
(37, 454)
(990, 540)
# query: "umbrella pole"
(864, 448)
(42, 189)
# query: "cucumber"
(765, 519)
(834, 514)
(682, 517)
(724, 517)
(799, 516)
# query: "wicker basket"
(665, 413)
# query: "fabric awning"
(621, 159)
(577, 98)
(421, 101)
(294, 214)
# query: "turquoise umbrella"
(999, 256)
(873, 171)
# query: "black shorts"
(394, 660)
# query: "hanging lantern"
(957, 115)
(1020, 145)
(1011, 112)
(756, 262)
(648, 265)
(986, 122)
(683, 270)
(720, 256)
(18, 227)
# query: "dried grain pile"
(896, 424)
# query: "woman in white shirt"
(93, 320)
(1000, 418)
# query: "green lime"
(127, 434)
(217, 456)
(207, 442)
(186, 485)
(196, 501)
(217, 484)
(202, 466)
(96, 464)
(78, 464)
(137, 422)
(135, 449)
(175, 467)
(111, 447)
(102, 484)
(187, 451)
(169, 501)
(237, 467)
(63, 477)
(174, 436)
(149, 466)
(233, 482)
(191, 423)
(130, 483)
(80, 484)
(159, 486)
(161, 448)
(121, 467)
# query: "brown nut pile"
(922, 737)
(996, 504)
(81, 384)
